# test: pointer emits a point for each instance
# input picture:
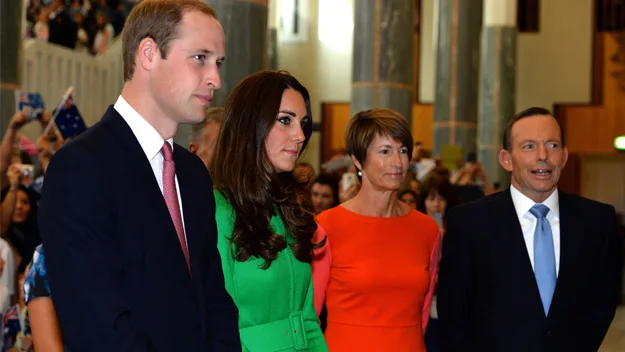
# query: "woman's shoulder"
(224, 215)
(222, 204)
(331, 216)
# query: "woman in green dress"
(264, 218)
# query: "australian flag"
(69, 121)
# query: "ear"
(193, 146)
(356, 163)
(565, 156)
(505, 159)
(147, 53)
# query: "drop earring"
(359, 173)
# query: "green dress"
(276, 309)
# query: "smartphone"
(349, 179)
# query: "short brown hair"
(159, 20)
(533, 111)
(366, 125)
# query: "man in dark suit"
(531, 268)
(128, 223)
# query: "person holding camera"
(18, 218)
(46, 145)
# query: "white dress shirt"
(522, 205)
(151, 142)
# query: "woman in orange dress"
(377, 280)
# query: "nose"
(396, 159)
(542, 153)
(213, 79)
(298, 134)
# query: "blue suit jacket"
(118, 277)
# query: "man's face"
(204, 149)
(536, 157)
(183, 84)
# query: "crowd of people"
(87, 26)
(119, 239)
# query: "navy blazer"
(118, 277)
(488, 299)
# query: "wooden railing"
(49, 69)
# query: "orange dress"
(379, 279)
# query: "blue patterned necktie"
(544, 256)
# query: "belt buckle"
(298, 332)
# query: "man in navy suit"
(532, 268)
(127, 216)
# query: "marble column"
(10, 59)
(497, 83)
(457, 76)
(245, 25)
(383, 56)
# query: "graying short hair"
(211, 114)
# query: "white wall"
(322, 66)
(553, 65)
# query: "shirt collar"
(150, 140)
(522, 204)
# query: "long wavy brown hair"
(242, 172)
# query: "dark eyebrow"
(287, 112)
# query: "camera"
(27, 170)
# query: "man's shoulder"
(487, 203)
(585, 204)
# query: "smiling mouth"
(541, 172)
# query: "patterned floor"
(615, 339)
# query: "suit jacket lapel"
(193, 225)
(571, 235)
(515, 252)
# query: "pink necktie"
(171, 197)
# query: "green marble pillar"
(497, 84)
(457, 74)
(10, 59)
(383, 56)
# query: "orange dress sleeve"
(321, 264)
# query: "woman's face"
(22, 207)
(434, 203)
(286, 137)
(386, 164)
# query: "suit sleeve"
(222, 311)
(601, 314)
(455, 283)
(77, 226)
